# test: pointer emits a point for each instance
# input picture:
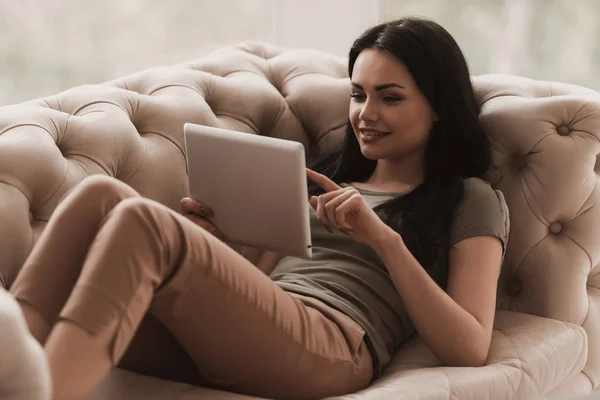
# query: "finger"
(332, 205)
(322, 215)
(313, 202)
(345, 208)
(327, 196)
(200, 221)
(333, 194)
(206, 225)
(183, 205)
(327, 184)
(189, 204)
(324, 199)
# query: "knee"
(134, 208)
(140, 213)
(97, 187)
(138, 217)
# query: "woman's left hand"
(346, 210)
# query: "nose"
(369, 111)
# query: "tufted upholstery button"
(563, 130)
(555, 227)
(519, 162)
(513, 287)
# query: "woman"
(406, 238)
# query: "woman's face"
(390, 115)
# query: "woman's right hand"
(197, 213)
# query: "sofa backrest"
(545, 139)
(546, 144)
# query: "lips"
(371, 135)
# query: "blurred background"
(51, 45)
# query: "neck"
(401, 173)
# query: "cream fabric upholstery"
(529, 355)
(24, 373)
(546, 141)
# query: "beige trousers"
(188, 306)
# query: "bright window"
(554, 40)
(49, 46)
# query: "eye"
(392, 99)
(357, 96)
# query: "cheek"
(412, 121)
(353, 115)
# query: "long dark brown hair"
(457, 146)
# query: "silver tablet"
(256, 186)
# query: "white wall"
(328, 25)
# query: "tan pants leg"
(51, 270)
(243, 332)
(57, 259)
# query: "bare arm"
(457, 324)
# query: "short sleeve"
(481, 212)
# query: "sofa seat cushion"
(529, 356)
(121, 384)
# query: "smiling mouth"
(370, 135)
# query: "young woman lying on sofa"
(407, 238)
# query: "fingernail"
(205, 211)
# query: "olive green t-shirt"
(349, 277)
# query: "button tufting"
(563, 130)
(519, 162)
(555, 227)
(513, 287)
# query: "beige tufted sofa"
(546, 141)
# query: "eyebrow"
(379, 87)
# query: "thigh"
(155, 352)
(246, 334)
(243, 332)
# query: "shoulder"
(482, 211)
(477, 187)
(479, 193)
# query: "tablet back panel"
(255, 184)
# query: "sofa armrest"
(24, 372)
(529, 356)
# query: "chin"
(372, 155)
